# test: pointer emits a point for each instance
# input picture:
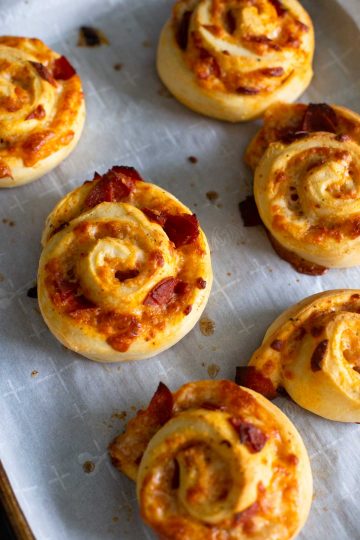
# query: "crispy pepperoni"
(212, 406)
(181, 287)
(201, 283)
(253, 438)
(182, 229)
(43, 72)
(62, 69)
(123, 275)
(155, 215)
(273, 72)
(161, 404)
(114, 186)
(318, 355)
(249, 213)
(182, 33)
(230, 21)
(208, 67)
(245, 515)
(263, 40)
(5, 170)
(126, 328)
(162, 293)
(66, 296)
(38, 113)
(289, 137)
(277, 344)
(247, 90)
(319, 117)
(250, 377)
(280, 9)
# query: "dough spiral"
(307, 184)
(214, 461)
(312, 351)
(42, 110)
(232, 59)
(125, 272)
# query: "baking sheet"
(59, 411)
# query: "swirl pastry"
(215, 461)
(312, 351)
(42, 110)
(232, 59)
(307, 184)
(125, 271)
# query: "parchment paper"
(54, 421)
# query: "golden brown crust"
(42, 110)
(231, 59)
(306, 185)
(312, 351)
(113, 283)
(214, 460)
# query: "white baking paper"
(53, 422)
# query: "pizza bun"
(125, 270)
(231, 60)
(42, 110)
(307, 184)
(312, 351)
(214, 460)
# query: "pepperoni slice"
(250, 377)
(318, 355)
(182, 229)
(44, 72)
(249, 434)
(114, 186)
(38, 113)
(161, 404)
(162, 293)
(155, 216)
(183, 30)
(62, 69)
(124, 329)
(278, 5)
(67, 298)
(319, 117)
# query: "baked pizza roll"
(307, 184)
(312, 351)
(42, 110)
(214, 460)
(232, 59)
(125, 271)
